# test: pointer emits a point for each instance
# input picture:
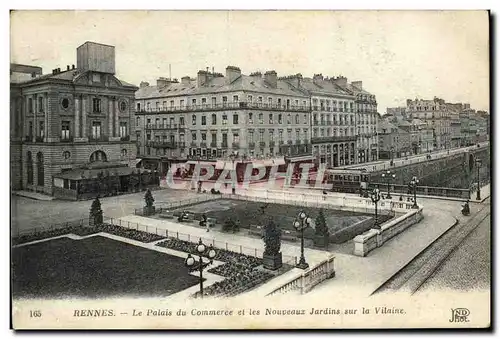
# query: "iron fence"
(168, 206)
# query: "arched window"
(39, 169)
(29, 168)
(98, 156)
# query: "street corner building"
(71, 128)
(233, 120)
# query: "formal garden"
(97, 266)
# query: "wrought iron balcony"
(161, 144)
(318, 140)
(226, 106)
(251, 144)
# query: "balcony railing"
(125, 138)
(236, 145)
(251, 144)
(226, 106)
(213, 144)
(262, 144)
(224, 145)
(333, 139)
(272, 143)
(203, 144)
(100, 138)
(165, 126)
(161, 144)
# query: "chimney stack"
(186, 81)
(72, 66)
(271, 77)
(144, 84)
(67, 67)
(318, 77)
(232, 73)
(358, 84)
(341, 81)
(161, 82)
(202, 78)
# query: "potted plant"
(149, 209)
(95, 215)
(272, 257)
(322, 232)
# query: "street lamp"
(375, 196)
(413, 184)
(389, 176)
(478, 165)
(202, 252)
(300, 224)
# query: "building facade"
(70, 119)
(436, 114)
(216, 116)
(394, 142)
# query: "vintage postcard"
(250, 169)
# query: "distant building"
(394, 142)
(66, 123)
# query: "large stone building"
(69, 121)
(435, 113)
(215, 116)
(394, 142)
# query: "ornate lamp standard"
(389, 176)
(478, 165)
(375, 196)
(203, 252)
(301, 223)
(413, 185)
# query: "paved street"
(468, 267)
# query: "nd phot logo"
(459, 315)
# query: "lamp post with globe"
(389, 176)
(413, 184)
(302, 222)
(375, 197)
(202, 252)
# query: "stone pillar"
(77, 118)
(110, 117)
(35, 118)
(46, 118)
(117, 119)
(85, 99)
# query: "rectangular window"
(250, 118)
(280, 135)
(297, 135)
(40, 104)
(164, 122)
(279, 101)
(260, 100)
(270, 118)
(123, 129)
(250, 98)
(164, 105)
(96, 129)
(65, 130)
(214, 119)
(148, 106)
(171, 103)
(157, 105)
(235, 98)
(235, 119)
(181, 121)
(193, 136)
(42, 129)
(224, 101)
(96, 105)
(138, 121)
(270, 101)
(214, 101)
(203, 136)
(280, 119)
(224, 119)
(182, 104)
(261, 136)
(224, 139)
(250, 136)
(236, 138)
(271, 135)
(204, 101)
(148, 137)
(194, 120)
(203, 120)
(138, 106)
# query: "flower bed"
(88, 230)
(240, 270)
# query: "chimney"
(256, 75)
(271, 77)
(161, 82)
(54, 71)
(67, 67)
(202, 78)
(358, 84)
(72, 66)
(317, 77)
(341, 81)
(186, 81)
(232, 73)
(144, 84)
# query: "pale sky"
(397, 55)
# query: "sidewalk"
(33, 195)
(362, 274)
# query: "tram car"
(348, 180)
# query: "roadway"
(381, 165)
(468, 267)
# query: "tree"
(272, 238)
(149, 209)
(322, 232)
(272, 258)
(95, 215)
